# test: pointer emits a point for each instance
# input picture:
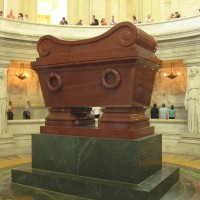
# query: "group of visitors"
(20, 17)
(65, 22)
(174, 16)
(96, 111)
(95, 22)
(163, 112)
(26, 112)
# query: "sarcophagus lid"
(115, 68)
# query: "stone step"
(153, 188)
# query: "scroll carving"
(44, 47)
(126, 38)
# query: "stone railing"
(178, 28)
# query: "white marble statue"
(192, 100)
(3, 101)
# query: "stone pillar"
(29, 8)
(114, 10)
(14, 5)
(32, 10)
(138, 11)
(1, 5)
(84, 12)
(98, 9)
(131, 6)
(73, 11)
(3, 100)
(166, 9)
(122, 11)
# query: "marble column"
(73, 11)
(131, 6)
(84, 12)
(1, 5)
(122, 12)
(114, 10)
(32, 10)
(14, 5)
(98, 9)
(3, 100)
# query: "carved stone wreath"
(58, 82)
(111, 78)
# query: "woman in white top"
(96, 112)
(149, 19)
(163, 112)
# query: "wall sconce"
(171, 75)
(21, 74)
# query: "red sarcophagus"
(115, 70)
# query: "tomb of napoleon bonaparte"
(122, 157)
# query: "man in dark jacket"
(95, 22)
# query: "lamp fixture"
(171, 75)
(21, 74)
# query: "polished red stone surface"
(115, 70)
(98, 132)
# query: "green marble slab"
(152, 188)
(129, 161)
(21, 192)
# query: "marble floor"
(188, 188)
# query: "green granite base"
(24, 192)
(96, 168)
(153, 188)
(129, 161)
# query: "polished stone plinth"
(152, 188)
(97, 168)
(121, 160)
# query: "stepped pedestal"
(121, 158)
(99, 168)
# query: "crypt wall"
(18, 43)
